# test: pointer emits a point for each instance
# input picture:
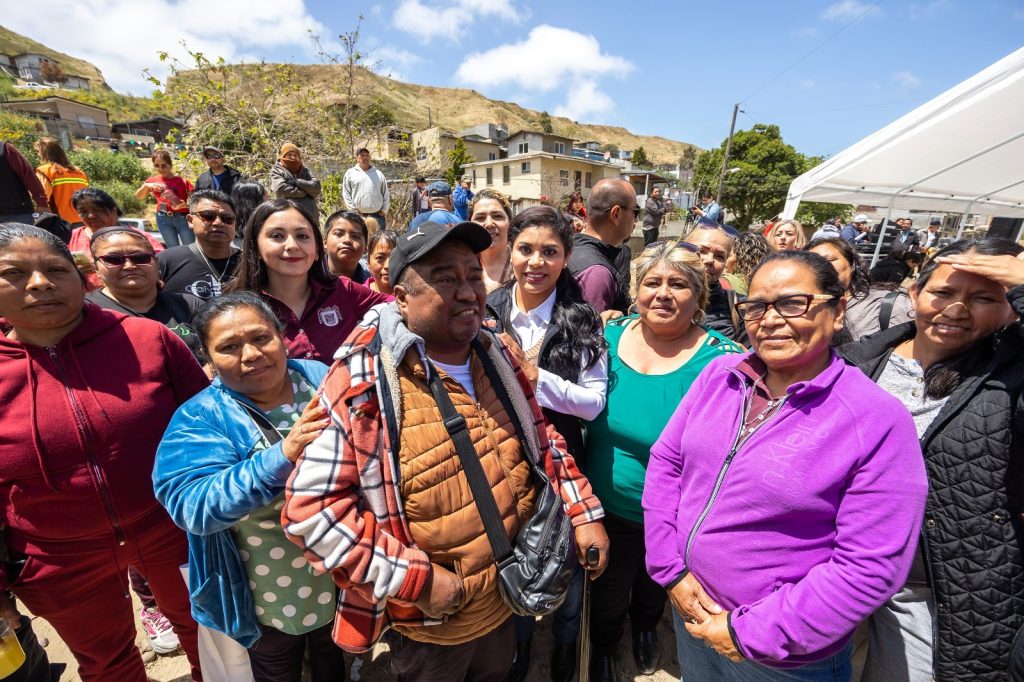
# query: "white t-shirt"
(461, 373)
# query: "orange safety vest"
(60, 184)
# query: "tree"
(640, 159)
(765, 166)
(51, 72)
(611, 148)
(545, 122)
(689, 158)
(458, 157)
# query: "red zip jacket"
(81, 424)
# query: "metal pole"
(881, 233)
(963, 221)
(725, 156)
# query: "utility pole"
(430, 119)
(725, 156)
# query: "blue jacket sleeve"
(206, 481)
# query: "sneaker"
(158, 628)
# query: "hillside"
(414, 106)
(12, 43)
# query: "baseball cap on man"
(439, 188)
(414, 245)
(212, 151)
(860, 218)
(935, 221)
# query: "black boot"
(645, 651)
(563, 662)
(602, 667)
(521, 664)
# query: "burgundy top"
(331, 313)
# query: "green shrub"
(22, 132)
(124, 195)
(103, 167)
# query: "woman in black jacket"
(959, 369)
(564, 355)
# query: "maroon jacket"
(331, 313)
(81, 424)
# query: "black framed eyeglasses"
(116, 260)
(793, 305)
(210, 216)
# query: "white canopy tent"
(961, 152)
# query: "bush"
(102, 167)
(124, 195)
(22, 132)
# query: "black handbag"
(533, 575)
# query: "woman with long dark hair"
(959, 368)
(560, 344)
(283, 259)
(246, 196)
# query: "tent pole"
(881, 234)
(963, 219)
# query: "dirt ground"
(375, 666)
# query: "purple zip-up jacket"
(806, 528)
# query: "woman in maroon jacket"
(86, 395)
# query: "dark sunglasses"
(711, 225)
(117, 260)
(214, 156)
(692, 248)
(210, 216)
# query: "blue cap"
(439, 189)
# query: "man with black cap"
(929, 239)
(380, 500)
(220, 176)
(440, 207)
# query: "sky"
(827, 72)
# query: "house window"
(506, 175)
(590, 180)
(525, 168)
(577, 179)
(559, 147)
(524, 147)
(490, 176)
(491, 156)
(563, 178)
(421, 153)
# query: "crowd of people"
(815, 469)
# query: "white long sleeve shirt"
(584, 399)
(365, 191)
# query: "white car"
(141, 224)
(33, 86)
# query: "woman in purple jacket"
(783, 500)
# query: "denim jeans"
(700, 663)
(565, 623)
(174, 229)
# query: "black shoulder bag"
(535, 574)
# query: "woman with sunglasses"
(283, 259)
(86, 393)
(653, 358)
(126, 266)
(345, 235)
(958, 366)
(171, 192)
(783, 500)
(559, 342)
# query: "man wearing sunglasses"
(220, 176)
(715, 244)
(205, 266)
(600, 257)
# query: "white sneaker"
(158, 628)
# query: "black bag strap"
(499, 387)
(885, 312)
(455, 424)
(268, 430)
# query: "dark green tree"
(640, 159)
(545, 122)
(458, 157)
(765, 165)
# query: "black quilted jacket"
(972, 535)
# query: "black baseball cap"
(415, 244)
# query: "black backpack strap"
(268, 430)
(499, 388)
(885, 312)
(455, 424)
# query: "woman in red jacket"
(86, 395)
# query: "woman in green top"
(653, 357)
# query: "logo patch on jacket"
(329, 316)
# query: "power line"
(814, 49)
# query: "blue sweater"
(208, 476)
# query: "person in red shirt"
(87, 394)
(283, 259)
(171, 194)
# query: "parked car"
(33, 86)
(143, 224)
